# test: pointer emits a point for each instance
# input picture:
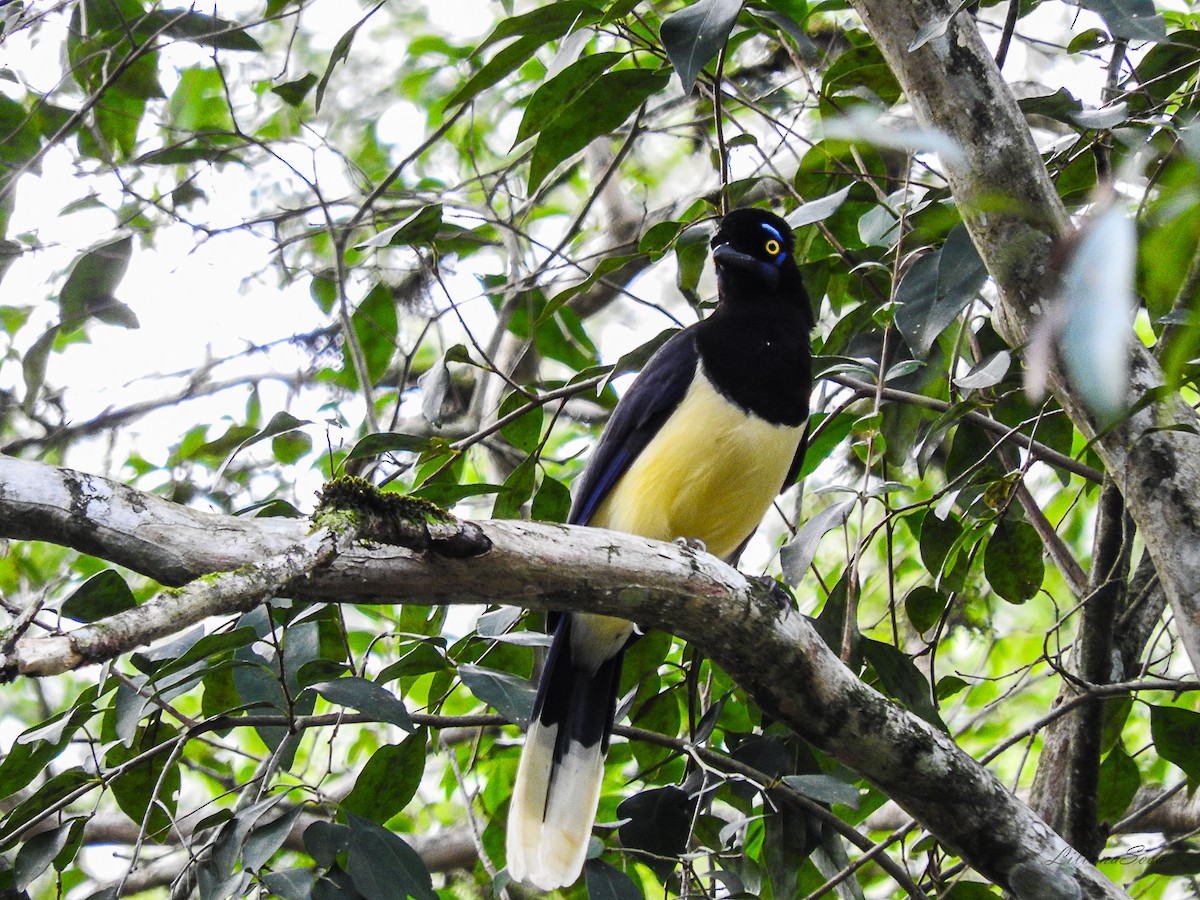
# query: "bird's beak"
(725, 255)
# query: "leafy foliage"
(452, 245)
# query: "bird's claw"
(691, 544)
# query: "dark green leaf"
(93, 281)
(382, 866)
(1012, 562)
(1136, 20)
(1175, 864)
(289, 884)
(265, 841)
(387, 442)
(797, 554)
(389, 780)
(37, 853)
(525, 432)
(607, 883)
(658, 826)
(555, 95)
(1119, 782)
(695, 34)
(550, 21)
(104, 594)
(149, 791)
(198, 28)
(293, 92)
(789, 837)
(509, 695)
(65, 784)
(341, 51)
(552, 502)
(517, 489)
(936, 289)
(368, 698)
(1176, 733)
(599, 110)
(902, 680)
(324, 841)
(419, 228)
(924, 606)
(824, 789)
(945, 550)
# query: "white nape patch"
(552, 811)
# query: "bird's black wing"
(648, 403)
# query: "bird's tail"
(562, 766)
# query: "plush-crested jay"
(700, 445)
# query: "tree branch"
(1015, 217)
(765, 645)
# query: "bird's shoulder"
(653, 396)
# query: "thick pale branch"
(769, 648)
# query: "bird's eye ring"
(772, 247)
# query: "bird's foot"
(773, 592)
(691, 544)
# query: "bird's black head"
(753, 252)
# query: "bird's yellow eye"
(772, 247)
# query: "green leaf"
(940, 541)
(367, 697)
(659, 824)
(265, 841)
(149, 791)
(1176, 733)
(524, 432)
(419, 228)
(375, 326)
(902, 680)
(199, 103)
(824, 789)
(1136, 20)
(37, 853)
(797, 554)
(1012, 562)
(340, 52)
(517, 489)
(924, 606)
(102, 595)
(289, 884)
(695, 34)
(599, 110)
(1119, 782)
(388, 442)
(382, 866)
(281, 423)
(197, 28)
(555, 95)
(1174, 863)
(293, 92)
(389, 780)
(94, 280)
(937, 289)
(604, 882)
(509, 695)
(552, 502)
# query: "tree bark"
(769, 648)
(1015, 217)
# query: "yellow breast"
(710, 473)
